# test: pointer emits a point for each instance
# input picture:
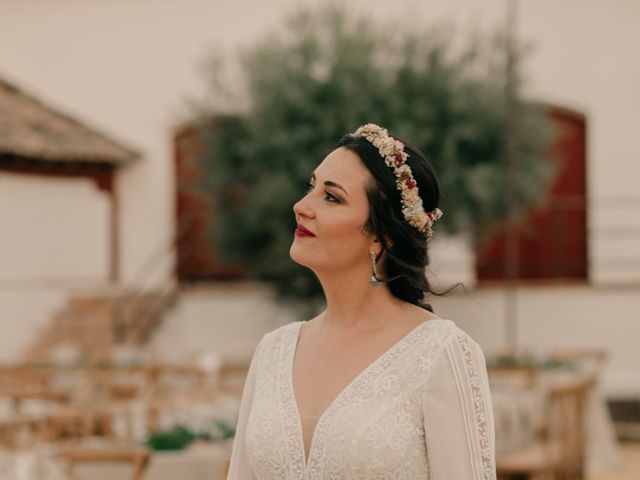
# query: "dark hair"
(406, 248)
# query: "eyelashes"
(328, 196)
(308, 188)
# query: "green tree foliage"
(324, 74)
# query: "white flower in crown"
(387, 148)
(412, 202)
(392, 151)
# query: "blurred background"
(150, 154)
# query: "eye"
(330, 197)
(308, 187)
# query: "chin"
(300, 255)
(294, 253)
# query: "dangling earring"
(375, 280)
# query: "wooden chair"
(232, 377)
(568, 427)
(21, 431)
(181, 380)
(19, 379)
(76, 423)
(593, 359)
(136, 457)
(580, 354)
(560, 452)
(223, 470)
(47, 395)
(521, 377)
(118, 383)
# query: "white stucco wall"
(24, 311)
(225, 319)
(53, 229)
(54, 238)
(549, 318)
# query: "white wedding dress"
(421, 410)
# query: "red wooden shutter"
(197, 256)
(551, 240)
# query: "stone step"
(90, 324)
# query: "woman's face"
(335, 210)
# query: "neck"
(353, 304)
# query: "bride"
(376, 386)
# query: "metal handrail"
(165, 293)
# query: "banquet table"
(518, 413)
(199, 463)
(191, 464)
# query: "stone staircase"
(93, 325)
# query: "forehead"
(344, 167)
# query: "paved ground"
(629, 468)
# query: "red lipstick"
(303, 232)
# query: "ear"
(388, 241)
(376, 245)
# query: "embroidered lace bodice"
(420, 411)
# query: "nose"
(302, 208)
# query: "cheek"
(343, 228)
(345, 239)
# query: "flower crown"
(395, 157)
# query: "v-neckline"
(352, 384)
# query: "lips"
(303, 232)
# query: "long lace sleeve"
(240, 468)
(458, 416)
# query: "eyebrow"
(329, 183)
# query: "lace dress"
(420, 411)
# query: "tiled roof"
(31, 129)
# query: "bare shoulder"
(416, 315)
(309, 326)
